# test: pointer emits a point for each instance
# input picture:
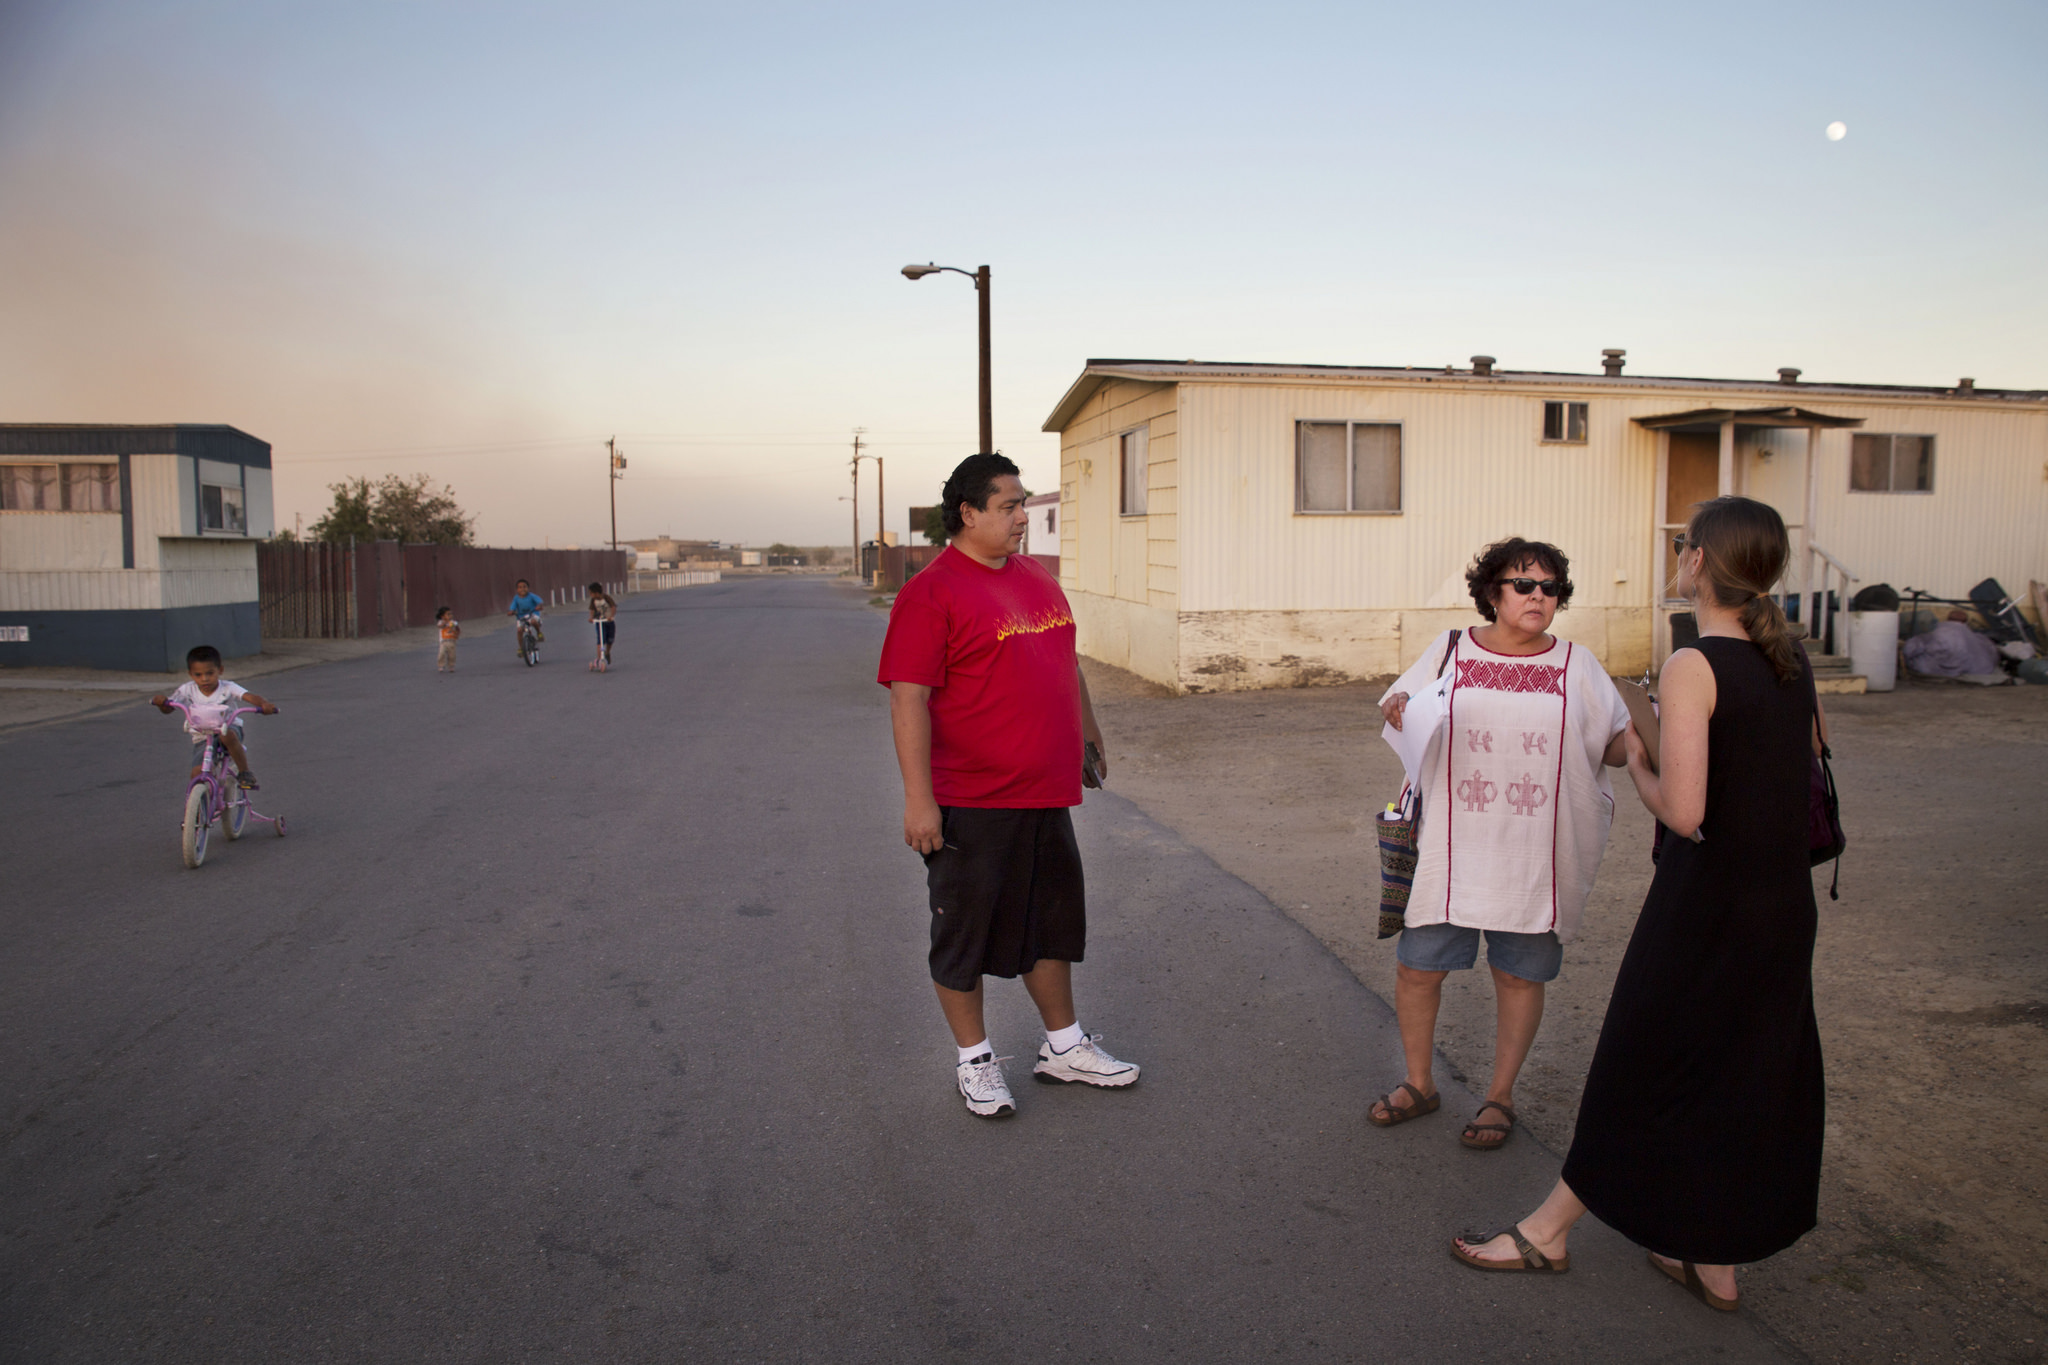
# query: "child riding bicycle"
(526, 605)
(210, 699)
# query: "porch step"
(1831, 684)
(1825, 665)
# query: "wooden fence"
(316, 591)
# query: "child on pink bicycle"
(210, 699)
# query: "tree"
(394, 508)
(935, 525)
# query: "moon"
(1837, 131)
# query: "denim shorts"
(1455, 947)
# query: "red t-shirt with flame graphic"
(996, 646)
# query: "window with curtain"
(29, 488)
(1881, 463)
(92, 488)
(1347, 467)
(1132, 452)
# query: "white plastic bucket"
(1874, 648)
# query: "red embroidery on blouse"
(1499, 676)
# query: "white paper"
(1421, 719)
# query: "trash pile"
(1982, 639)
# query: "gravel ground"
(1929, 979)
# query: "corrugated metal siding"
(60, 540)
(161, 489)
(1102, 551)
(257, 500)
(1475, 469)
(211, 442)
(1987, 515)
(81, 590)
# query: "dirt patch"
(1928, 978)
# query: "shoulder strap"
(1450, 648)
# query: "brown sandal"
(1688, 1275)
(1423, 1105)
(1476, 1127)
(1532, 1259)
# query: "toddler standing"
(451, 631)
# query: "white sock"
(968, 1054)
(1063, 1039)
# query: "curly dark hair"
(973, 481)
(1496, 561)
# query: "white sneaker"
(983, 1087)
(1085, 1061)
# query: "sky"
(476, 240)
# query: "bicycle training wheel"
(198, 821)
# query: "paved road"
(585, 1018)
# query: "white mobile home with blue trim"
(124, 546)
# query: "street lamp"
(980, 278)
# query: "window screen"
(1132, 445)
(1891, 464)
(1347, 467)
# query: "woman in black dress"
(1699, 1134)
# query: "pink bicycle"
(214, 796)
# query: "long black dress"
(1699, 1135)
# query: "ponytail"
(1764, 621)
(1744, 549)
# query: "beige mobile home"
(1234, 526)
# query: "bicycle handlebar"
(238, 713)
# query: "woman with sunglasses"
(1699, 1131)
(1516, 805)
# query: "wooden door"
(1692, 474)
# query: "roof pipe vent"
(1611, 361)
(1966, 387)
(1482, 365)
(1787, 375)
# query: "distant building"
(1042, 535)
(1230, 526)
(124, 546)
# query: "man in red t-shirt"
(993, 727)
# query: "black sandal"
(1395, 1116)
(1532, 1259)
(1475, 1127)
(246, 781)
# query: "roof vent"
(1966, 387)
(1611, 361)
(1482, 365)
(1787, 375)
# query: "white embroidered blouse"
(1516, 803)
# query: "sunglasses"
(1678, 543)
(1528, 586)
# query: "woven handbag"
(1399, 830)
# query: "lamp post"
(980, 278)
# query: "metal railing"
(1817, 614)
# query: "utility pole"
(988, 421)
(616, 467)
(858, 432)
